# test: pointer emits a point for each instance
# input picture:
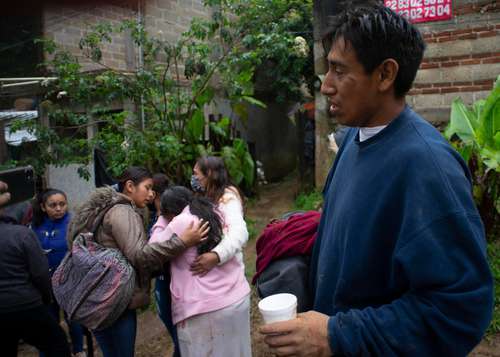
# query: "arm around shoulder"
(236, 235)
(128, 232)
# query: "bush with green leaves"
(475, 132)
(217, 55)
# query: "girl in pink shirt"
(211, 311)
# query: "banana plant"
(478, 128)
(475, 133)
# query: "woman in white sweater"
(211, 180)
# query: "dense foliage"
(475, 133)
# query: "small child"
(217, 303)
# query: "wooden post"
(4, 155)
(43, 117)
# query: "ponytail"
(136, 174)
(204, 208)
(175, 199)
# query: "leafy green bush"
(307, 201)
(475, 133)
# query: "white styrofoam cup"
(278, 307)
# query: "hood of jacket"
(87, 214)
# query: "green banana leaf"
(490, 118)
(463, 123)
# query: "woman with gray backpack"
(113, 231)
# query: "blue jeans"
(164, 305)
(118, 340)
(75, 329)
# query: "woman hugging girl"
(211, 310)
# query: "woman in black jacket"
(25, 291)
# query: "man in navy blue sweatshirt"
(399, 266)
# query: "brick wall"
(462, 59)
(163, 18)
(66, 26)
(168, 19)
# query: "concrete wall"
(462, 60)
(66, 178)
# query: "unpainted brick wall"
(166, 19)
(66, 26)
(462, 59)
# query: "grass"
(252, 228)
(494, 258)
(308, 201)
(250, 255)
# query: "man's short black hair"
(377, 33)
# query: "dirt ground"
(274, 200)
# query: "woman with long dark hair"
(211, 180)
(50, 224)
(211, 312)
(123, 228)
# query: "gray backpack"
(93, 284)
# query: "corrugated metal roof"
(18, 137)
(25, 115)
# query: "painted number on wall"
(422, 10)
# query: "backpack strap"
(99, 219)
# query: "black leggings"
(34, 326)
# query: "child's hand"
(195, 233)
(204, 263)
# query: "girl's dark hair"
(160, 183)
(377, 33)
(136, 174)
(175, 199)
(213, 168)
(40, 199)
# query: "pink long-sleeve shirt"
(192, 295)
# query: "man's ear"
(388, 70)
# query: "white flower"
(62, 94)
(300, 46)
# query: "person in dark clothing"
(50, 224)
(399, 266)
(25, 291)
